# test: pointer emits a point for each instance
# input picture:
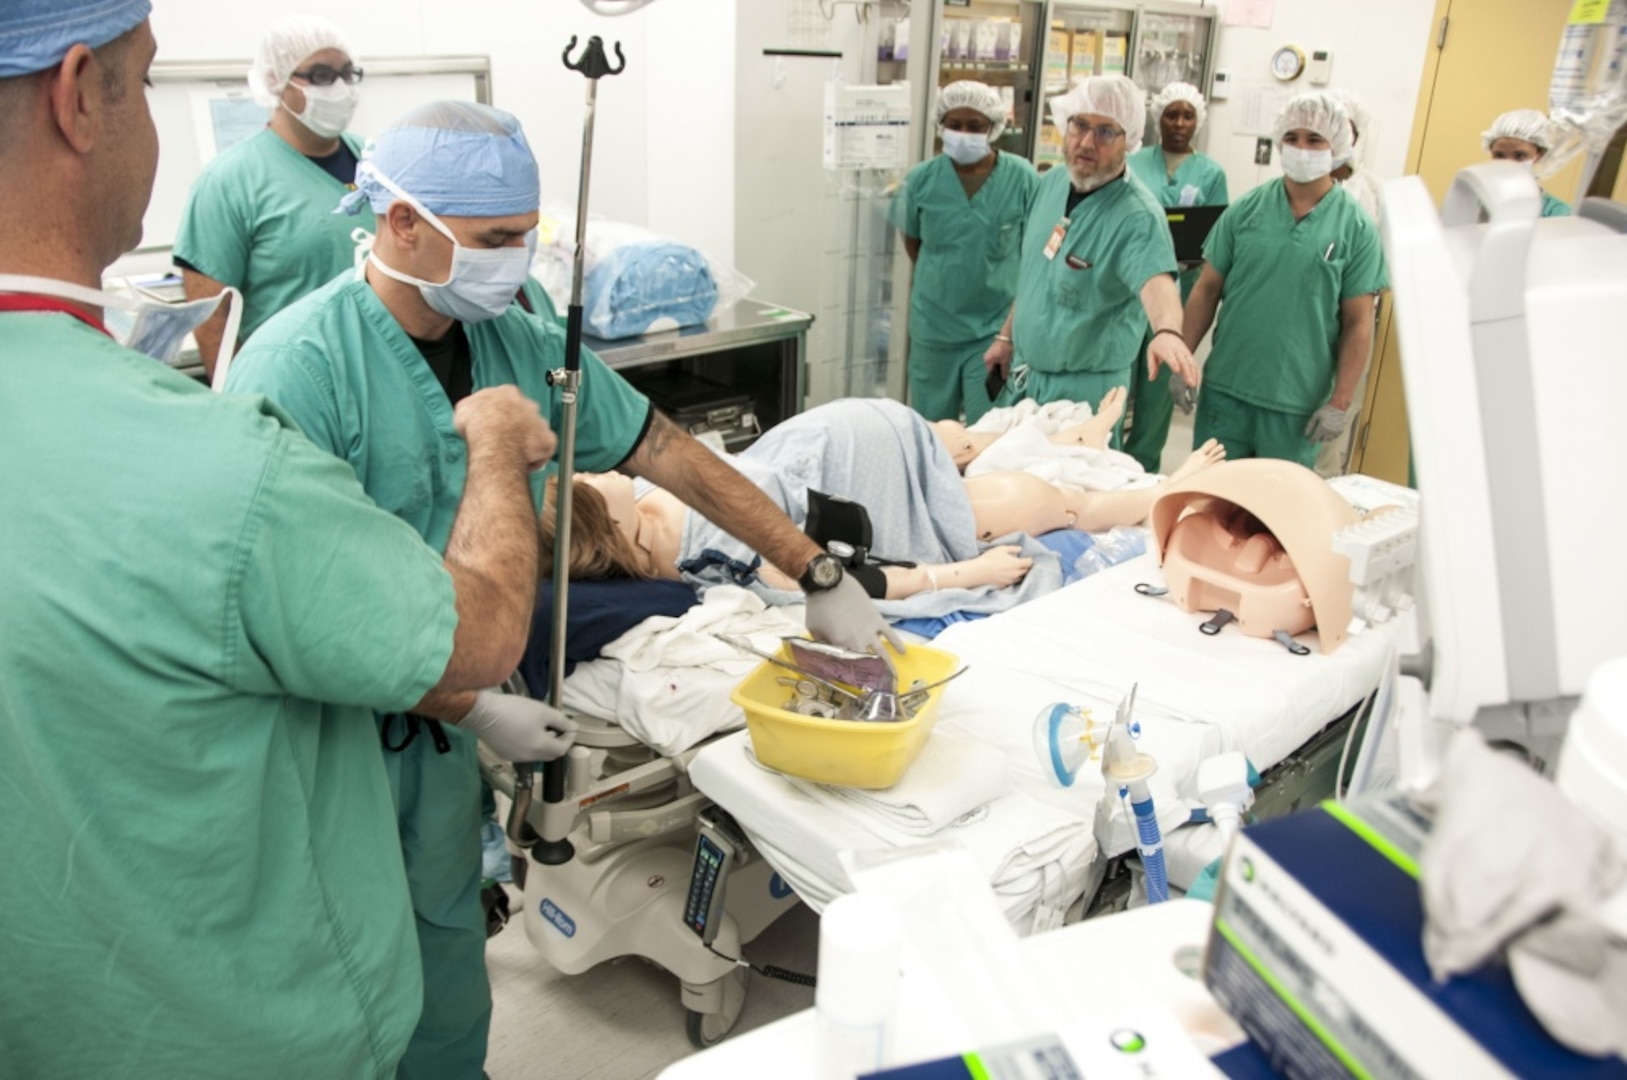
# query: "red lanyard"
(27, 302)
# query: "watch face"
(826, 571)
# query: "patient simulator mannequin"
(651, 534)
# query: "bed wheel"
(720, 1001)
(705, 1029)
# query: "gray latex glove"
(1327, 424)
(846, 616)
(1182, 394)
(519, 728)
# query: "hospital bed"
(660, 743)
(1085, 645)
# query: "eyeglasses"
(1104, 133)
(323, 75)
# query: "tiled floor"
(620, 1020)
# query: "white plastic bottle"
(856, 999)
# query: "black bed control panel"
(718, 848)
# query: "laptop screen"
(1189, 227)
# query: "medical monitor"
(1511, 329)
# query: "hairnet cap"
(1528, 125)
(1178, 91)
(979, 97)
(37, 34)
(1319, 112)
(1356, 113)
(456, 158)
(289, 42)
(1114, 96)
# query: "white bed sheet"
(1086, 645)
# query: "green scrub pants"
(1151, 409)
(1048, 386)
(944, 379)
(1249, 431)
(437, 800)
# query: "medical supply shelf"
(752, 348)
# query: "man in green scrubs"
(260, 215)
(1176, 175)
(1097, 267)
(370, 367)
(200, 613)
(1293, 267)
(961, 214)
(1523, 136)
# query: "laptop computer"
(1189, 227)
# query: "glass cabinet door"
(1171, 47)
(1081, 40)
(993, 42)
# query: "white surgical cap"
(1178, 91)
(1105, 95)
(291, 40)
(456, 158)
(979, 97)
(1356, 112)
(37, 34)
(1528, 125)
(1319, 112)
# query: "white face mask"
(153, 327)
(1306, 166)
(482, 282)
(328, 109)
(964, 147)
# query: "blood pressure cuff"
(831, 517)
(873, 578)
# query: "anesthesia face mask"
(143, 322)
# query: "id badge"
(1054, 244)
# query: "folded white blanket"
(951, 778)
(667, 681)
(1024, 445)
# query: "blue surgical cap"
(455, 158)
(37, 34)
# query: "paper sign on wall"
(1255, 13)
(867, 127)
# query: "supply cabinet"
(1032, 50)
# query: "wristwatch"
(823, 573)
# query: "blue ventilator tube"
(1149, 841)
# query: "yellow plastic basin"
(845, 752)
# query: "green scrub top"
(1553, 207)
(1081, 311)
(202, 878)
(354, 382)
(260, 218)
(1198, 181)
(1276, 342)
(966, 270)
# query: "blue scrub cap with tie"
(37, 34)
(456, 158)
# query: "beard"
(1090, 178)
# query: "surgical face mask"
(1305, 166)
(143, 323)
(965, 147)
(328, 109)
(482, 281)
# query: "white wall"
(659, 124)
(1378, 47)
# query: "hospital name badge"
(1054, 244)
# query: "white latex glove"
(1182, 394)
(519, 728)
(846, 616)
(1327, 424)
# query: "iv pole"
(546, 849)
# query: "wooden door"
(1485, 58)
